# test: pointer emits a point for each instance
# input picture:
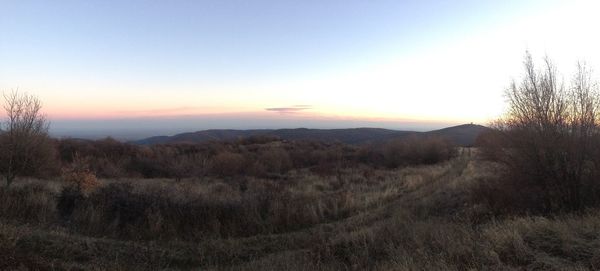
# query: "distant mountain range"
(463, 135)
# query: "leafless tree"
(24, 140)
(550, 139)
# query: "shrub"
(260, 156)
(548, 142)
(275, 160)
(259, 139)
(79, 175)
(227, 164)
(83, 180)
(70, 197)
(491, 144)
(416, 150)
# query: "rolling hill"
(463, 135)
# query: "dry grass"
(415, 218)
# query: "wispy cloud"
(289, 110)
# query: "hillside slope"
(463, 135)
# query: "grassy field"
(412, 218)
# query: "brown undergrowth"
(413, 218)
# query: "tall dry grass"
(411, 218)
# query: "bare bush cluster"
(409, 151)
(79, 175)
(270, 157)
(549, 143)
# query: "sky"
(139, 68)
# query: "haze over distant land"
(137, 128)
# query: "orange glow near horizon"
(258, 113)
(383, 105)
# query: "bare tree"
(550, 140)
(24, 140)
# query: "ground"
(414, 218)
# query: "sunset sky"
(133, 68)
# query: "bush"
(79, 175)
(548, 142)
(275, 160)
(491, 144)
(70, 197)
(227, 164)
(416, 150)
(255, 156)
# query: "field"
(362, 218)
